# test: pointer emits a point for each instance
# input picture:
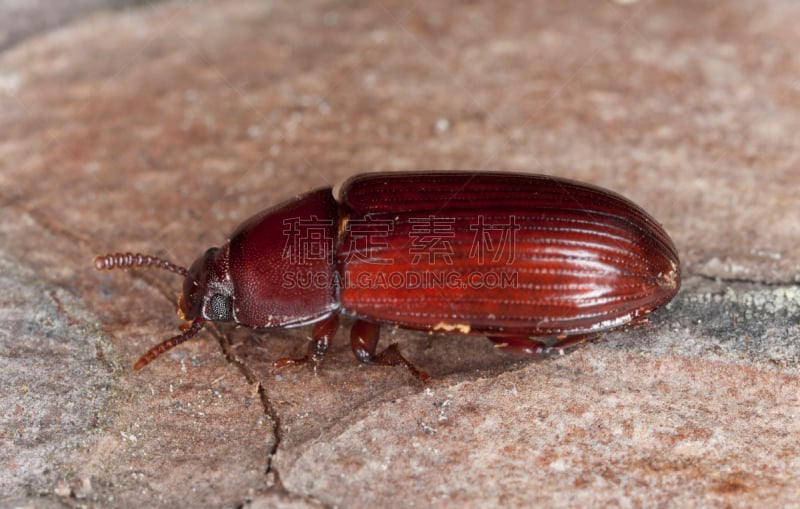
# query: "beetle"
(510, 256)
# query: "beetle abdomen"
(501, 253)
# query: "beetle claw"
(526, 347)
(288, 361)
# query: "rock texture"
(159, 129)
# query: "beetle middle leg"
(364, 341)
(320, 343)
(527, 347)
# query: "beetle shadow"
(451, 356)
(462, 357)
(307, 404)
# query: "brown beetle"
(509, 256)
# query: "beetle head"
(207, 288)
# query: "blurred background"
(158, 127)
(20, 19)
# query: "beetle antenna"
(169, 344)
(131, 260)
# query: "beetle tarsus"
(558, 347)
(526, 347)
(364, 342)
(290, 361)
(520, 345)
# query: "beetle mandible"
(510, 256)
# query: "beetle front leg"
(527, 347)
(364, 341)
(320, 343)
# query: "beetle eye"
(219, 308)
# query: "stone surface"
(159, 129)
(22, 19)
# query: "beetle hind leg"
(527, 347)
(364, 342)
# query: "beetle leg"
(320, 343)
(570, 341)
(520, 345)
(524, 346)
(322, 337)
(364, 341)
